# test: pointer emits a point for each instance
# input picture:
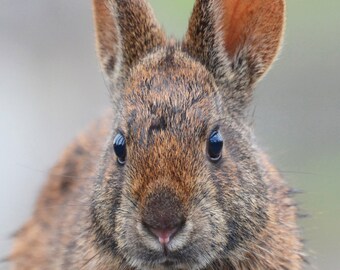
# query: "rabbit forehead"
(169, 70)
(170, 91)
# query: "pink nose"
(164, 235)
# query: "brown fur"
(236, 214)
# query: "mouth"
(168, 260)
(176, 261)
(168, 263)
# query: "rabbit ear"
(126, 30)
(236, 39)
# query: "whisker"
(298, 172)
(90, 260)
(106, 85)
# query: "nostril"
(163, 234)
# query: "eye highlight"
(215, 146)
(119, 146)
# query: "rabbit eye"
(215, 145)
(119, 146)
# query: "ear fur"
(126, 30)
(237, 40)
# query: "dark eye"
(119, 146)
(215, 145)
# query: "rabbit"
(171, 177)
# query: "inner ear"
(252, 29)
(237, 17)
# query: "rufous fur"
(167, 98)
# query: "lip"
(168, 263)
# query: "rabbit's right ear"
(126, 30)
(237, 40)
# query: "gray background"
(51, 87)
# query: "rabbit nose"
(164, 235)
(163, 215)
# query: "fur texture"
(234, 214)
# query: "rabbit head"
(181, 183)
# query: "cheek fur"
(242, 194)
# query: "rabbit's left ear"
(236, 39)
(126, 30)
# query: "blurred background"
(51, 88)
